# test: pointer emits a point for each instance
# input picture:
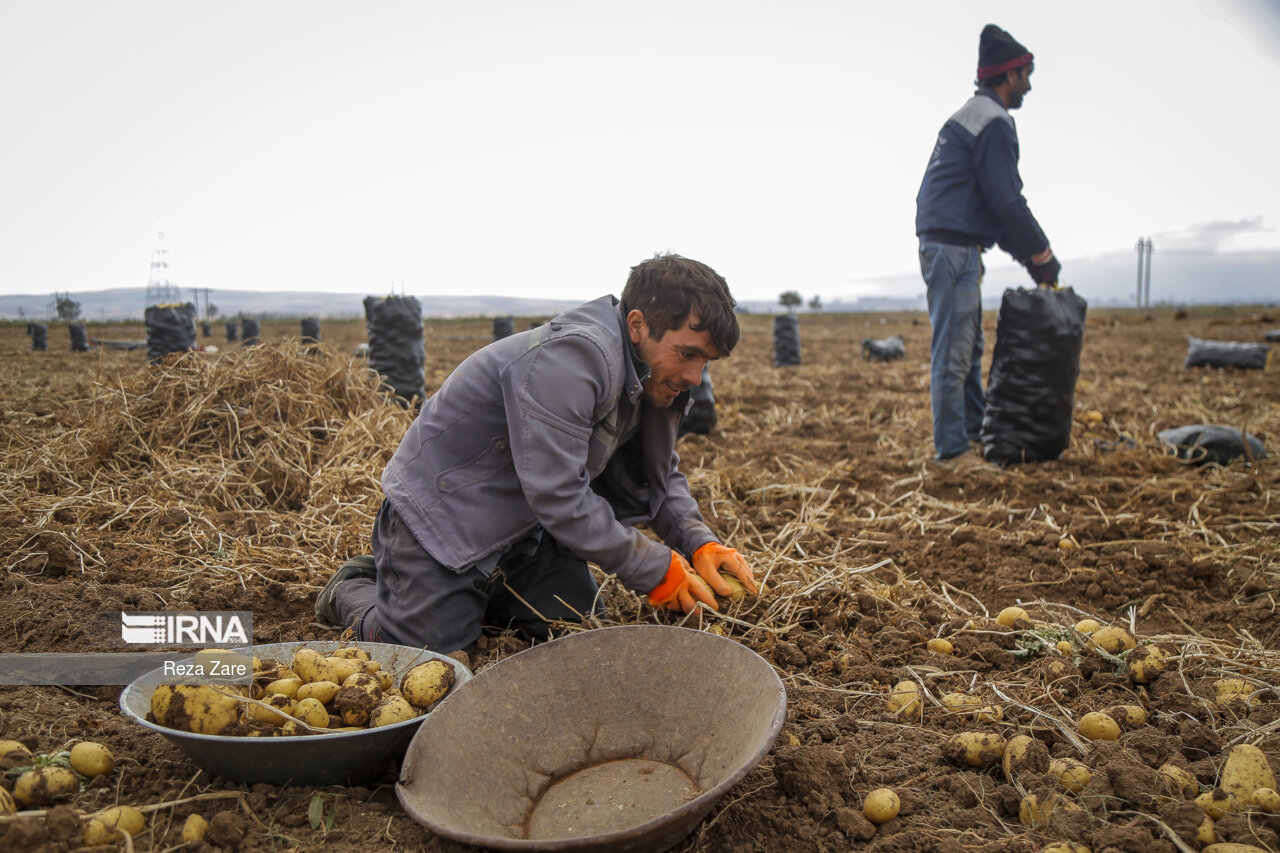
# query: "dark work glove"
(1046, 273)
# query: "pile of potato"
(313, 694)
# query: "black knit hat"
(999, 52)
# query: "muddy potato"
(1066, 847)
(312, 712)
(390, 710)
(356, 698)
(1096, 725)
(1087, 626)
(960, 703)
(974, 749)
(91, 759)
(1024, 754)
(1205, 832)
(940, 646)
(307, 663)
(737, 591)
(13, 754)
(1267, 800)
(103, 828)
(1129, 717)
(1112, 640)
(1179, 780)
(1146, 663)
(427, 683)
(195, 708)
(45, 785)
(352, 653)
(1071, 774)
(386, 681)
(322, 691)
(1011, 615)
(7, 805)
(1232, 847)
(275, 715)
(194, 828)
(1035, 809)
(1229, 690)
(1217, 802)
(1245, 771)
(881, 805)
(904, 699)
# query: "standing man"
(540, 452)
(971, 199)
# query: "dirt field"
(240, 480)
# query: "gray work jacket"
(515, 438)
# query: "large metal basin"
(328, 759)
(614, 739)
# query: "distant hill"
(129, 303)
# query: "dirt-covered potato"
(351, 653)
(307, 663)
(45, 785)
(13, 754)
(1179, 781)
(1065, 847)
(1245, 771)
(196, 708)
(1035, 809)
(737, 591)
(1022, 755)
(105, 826)
(91, 759)
(273, 716)
(194, 828)
(1071, 774)
(1129, 717)
(7, 804)
(1267, 800)
(904, 700)
(974, 749)
(881, 805)
(427, 683)
(312, 712)
(1010, 616)
(356, 698)
(940, 646)
(389, 710)
(1145, 663)
(1218, 802)
(1229, 691)
(1233, 847)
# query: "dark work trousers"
(416, 601)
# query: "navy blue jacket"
(972, 193)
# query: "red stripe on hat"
(993, 70)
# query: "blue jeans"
(953, 275)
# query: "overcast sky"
(543, 147)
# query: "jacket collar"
(637, 370)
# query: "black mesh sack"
(1273, 336)
(1203, 443)
(885, 349)
(786, 341)
(397, 349)
(701, 416)
(39, 335)
(232, 333)
(1031, 387)
(503, 327)
(250, 332)
(79, 337)
(310, 330)
(1201, 353)
(170, 328)
(206, 329)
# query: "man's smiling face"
(675, 361)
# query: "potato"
(904, 700)
(284, 686)
(737, 591)
(1035, 809)
(1267, 800)
(389, 710)
(1071, 774)
(194, 828)
(356, 698)
(1011, 615)
(1066, 543)
(1146, 663)
(45, 785)
(940, 646)
(1217, 802)
(1129, 717)
(1024, 754)
(344, 668)
(1112, 640)
(351, 653)
(7, 805)
(386, 681)
(1179, 780)
(372, 667)
(14, 753)
(105, 826)
(974, 749)
(427, 683)
(881, 806)
(322, 691)
(960, 703)
(1087, 626)
(1064, 648)
(1229, 690)
(91, 759)
(1065, 847)
(196, 708)
(279, 701)
(307, 663)
(1206, 832)
(1232, 847)
(1245, 771)
(312, 712)
(1096, 725)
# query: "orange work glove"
(680, 589)
(713, 558)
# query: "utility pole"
(1146, 280)
(160, 291)
(1144, 272)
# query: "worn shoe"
(356, 567)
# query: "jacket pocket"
(491, 461)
